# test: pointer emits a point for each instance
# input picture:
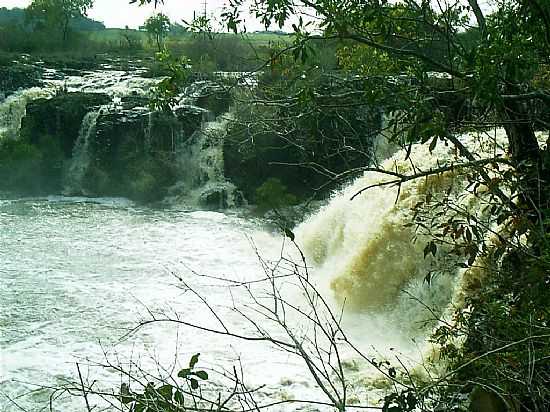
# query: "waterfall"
(368, 251)
(80, 160)
(13, 109)
(201, 164)
(148, 141)
(383, 146)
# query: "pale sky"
(119, 13)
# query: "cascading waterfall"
(365, 248)
(148, 137)
(13, 109)
(201, 163)
(81, 154)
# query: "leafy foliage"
(166, 397)
(58, 13)
(435, 77)
(158, 27)
(272, 194)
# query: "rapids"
(76, 273)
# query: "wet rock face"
(133, 152)
(253, 158)
(14, 76)
(215, 199)
(59, 118)
(129, 150)
(35, 162)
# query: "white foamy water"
(13, 109)
(115, 83)
(76, 273)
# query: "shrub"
(19, 163)
(272, 194)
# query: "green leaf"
(194, 383)
(472, 258)
(194, 360)
(468, 235)
(430, 248)
(433, 144)
(184, 373)
(178, 397)
(202, 374)
(427, 249)
(125, 394)
(165, 391)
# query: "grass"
(117, 35)
(86, 50)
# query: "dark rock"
(34, 163)
(133, 152)
(130, 102)
(253, 156)
(215, 198)
(59, 118)
(18, 76)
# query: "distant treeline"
(18, 18)
(22, 32)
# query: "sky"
(119, 13)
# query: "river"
(76, 274)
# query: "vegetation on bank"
(436, 77)
(87, 41)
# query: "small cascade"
(200, 161)
(81, 154)
(112, 82)
(13, 109)
(383, 147)
(368, 252)
(148, 137)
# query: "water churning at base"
(368, 248)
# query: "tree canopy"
(158, 27)
(59, 13)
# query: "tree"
(439, 70)
(59, 13)
(158, 27)
(451, 75)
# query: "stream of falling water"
(81, 153)
(13, 109)
(77, 273)
(367, 252)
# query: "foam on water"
(13, 109)
(76, 273)
(368, 256)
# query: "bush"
(19, 163)
(272, 194)
(505, 355)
